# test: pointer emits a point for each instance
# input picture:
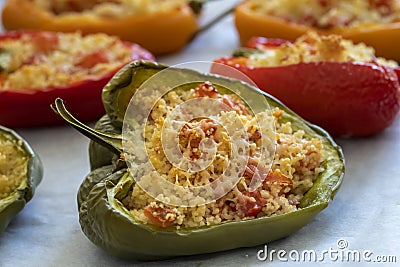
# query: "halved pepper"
(110, 225)
(345, 98)
(30, 172)
(161, 32)
(28, 107)
(380, 36)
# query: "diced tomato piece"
(90, 60)
(161, 217)
(206, 89)
(254, 170)
(275, 176)
(255, 136)
(230, 105)
(2, 79)
(45, 42)
(386, 5)
(208, 126)
(323, 3)
(193, 133)
(251, 203)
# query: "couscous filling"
(283, 179)
(109, 8)
(330, 13)
(312, 47)
(13, 167)
(45, 59)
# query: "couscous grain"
(294, 166)
(13, 167)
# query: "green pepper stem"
(112, 142)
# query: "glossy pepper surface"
(345, 98)
(28, 107)
(383, 37)
(11, 205)
(108, 224)
(161, 33)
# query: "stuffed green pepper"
(20, 173)
(157, 194)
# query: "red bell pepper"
(30, 107)
(345, 98)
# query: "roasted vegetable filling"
(284, 177)
(44, 59)
(13, 167)
(110, 8)
(326, 14)
(312, 47)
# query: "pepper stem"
(112, 142)
(212, 22)
(197, 5)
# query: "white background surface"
(365, 212)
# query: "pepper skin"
(30, 107)
(15, 202)
(383, 37)
(160, 33)
(345, 98)
(108, 224)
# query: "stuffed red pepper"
(328, 80)
(36, 67)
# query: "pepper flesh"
(345, 98)
(380, 36)
(160, 33)
(29, 107)
(15, 202)
(108, 224)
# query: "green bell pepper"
(109, 224)
(14, 201)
